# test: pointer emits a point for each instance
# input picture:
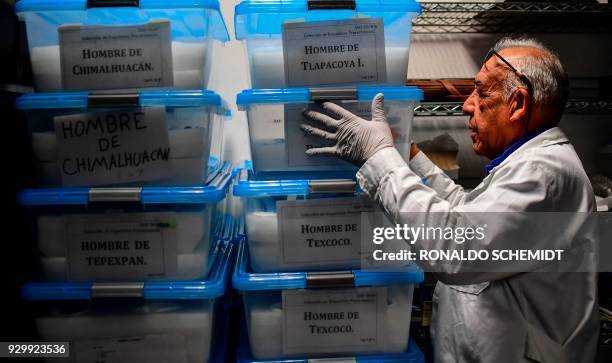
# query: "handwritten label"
(116, 57)
(122, 246)
(334, 52)
(150, 348)
(322, 231)
(334, 320)
(103, 148)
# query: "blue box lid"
(239, 228)
(218, 168)
(270, 188)
(243, 165)
(218, 28)
(227, 228)
(223, 227)
(214, 285)
(171, 98)
(212, 192)
(299, 9)
(297, 187)
(303, 95)
(244, 279)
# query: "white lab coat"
(506, 317)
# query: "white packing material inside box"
(125, 234)
(278, 144)
(159, 323)
(80, 45)
(149, 138)
(293, 43)
(286, 319)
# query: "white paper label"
(102, 148)
(121, 246)
(150, 348)
(298, 142)
(334, 320)
(334, 52)
(321, 231)
(116, 57)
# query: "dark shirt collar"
(512, 148)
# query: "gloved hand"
(356, 139)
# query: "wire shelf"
(514, 17)
(455, 108)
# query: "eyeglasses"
(520, 75)
(516, 71)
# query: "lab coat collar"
(542, 137)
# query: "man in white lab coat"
(512, 316)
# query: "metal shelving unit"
(515, 17)
(454, 108)
(586, 107)
(579, 16)
(439, 109)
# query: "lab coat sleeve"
(387, 179)
(436, 179)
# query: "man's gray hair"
(544, 71)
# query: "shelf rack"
(455, 108)
(514, 17)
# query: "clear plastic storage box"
(161, 138)
(318, 314)
(303, 225)
(125, 234)
(124, 44)
(278, 144)
(295, 43)
(136, 322)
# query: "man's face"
(488, 111)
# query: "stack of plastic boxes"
(125, 142)
(146, 321)
(300, 269)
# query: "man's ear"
(519, 105)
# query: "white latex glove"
(356, 139)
